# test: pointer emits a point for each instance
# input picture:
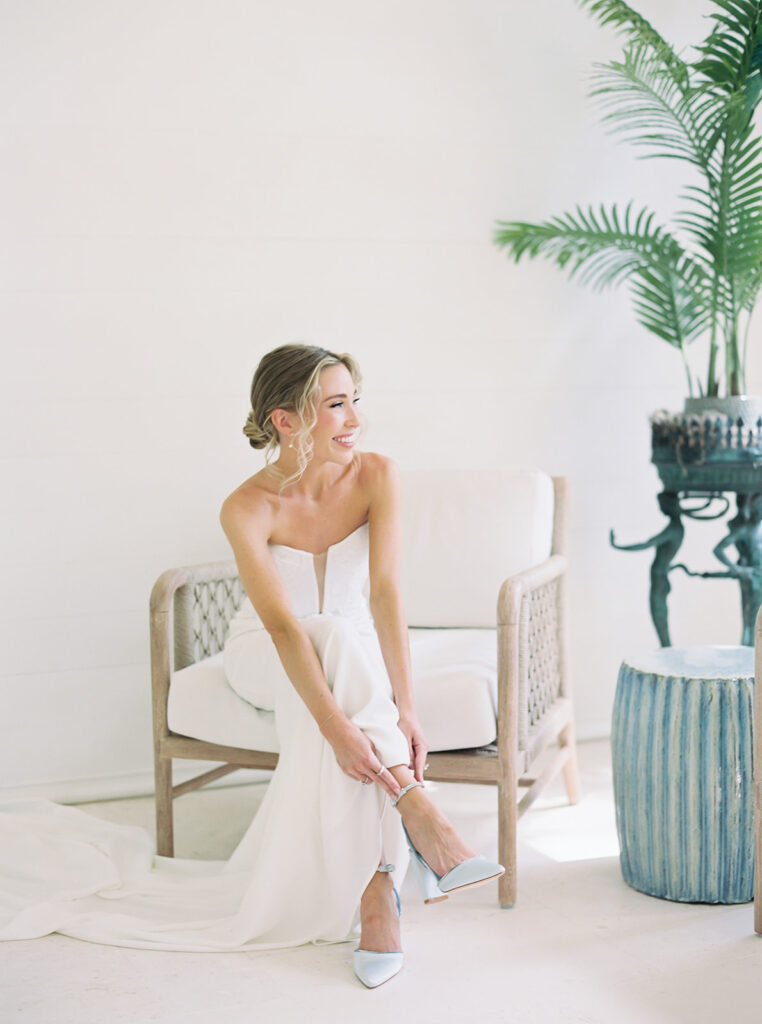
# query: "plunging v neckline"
(312, 554)
(320, 576)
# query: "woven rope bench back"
(203, 608)
(539, 658)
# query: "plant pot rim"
(723, 398)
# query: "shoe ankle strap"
(411, 785)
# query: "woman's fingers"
(388, 781)
(420, 763)
(377, 772)
(384, 778)
(358, 759)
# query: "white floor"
(580, 946)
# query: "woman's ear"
(282, 421)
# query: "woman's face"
(335, 432)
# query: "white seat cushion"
(202, 705)
(454, 681)
(455, 685)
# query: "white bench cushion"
(454, 681)
(202, 705)
(463, 533)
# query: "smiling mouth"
(345, 440)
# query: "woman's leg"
(430, 832)
(437, 842)
(355, 671)
(325, 833)
(378, 916)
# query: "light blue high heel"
(371, 967)
(434, 887)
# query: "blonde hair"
(289, 378)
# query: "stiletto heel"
(466, 875)
(371, 967)
(427, 879)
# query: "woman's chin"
(340, 455)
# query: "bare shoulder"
(378, 473)
(250, 508)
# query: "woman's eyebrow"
(331, 397)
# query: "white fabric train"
(318, 836)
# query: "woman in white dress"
(285, 524)
(313, 533)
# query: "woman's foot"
(431, 833)
(378, 916)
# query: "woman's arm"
(386, 601)
(247, 525)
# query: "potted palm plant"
(700, 279)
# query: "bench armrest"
(190, 608)
(533, 657)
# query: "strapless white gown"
(316, 840)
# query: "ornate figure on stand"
(745, 534)
(707, 458)
(667, 543)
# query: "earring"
(291, 444)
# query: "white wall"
(188, 184)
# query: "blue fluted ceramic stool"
(682, 757)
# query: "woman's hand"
(356, 755)
(419, 748)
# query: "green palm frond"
(573, 239)
(731, 56)
(652, 108)
(637, 28)
(724, 219)
(603, 247)
(744, 221)
(668, 301)
(748, 294)
(700, 220)
(699, 112)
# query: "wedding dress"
(316, 840)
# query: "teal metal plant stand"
(702, 460)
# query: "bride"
(321, 640)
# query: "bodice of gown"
(345, 583)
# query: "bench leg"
(567, 738)
(758, 871)
(165, 842)
(507, 818)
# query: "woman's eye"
(338, 405)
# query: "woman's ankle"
(402, 774)
(412, 797)
(380, 881)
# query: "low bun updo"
(258, 437)
(288, 378)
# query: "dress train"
(296, 876)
